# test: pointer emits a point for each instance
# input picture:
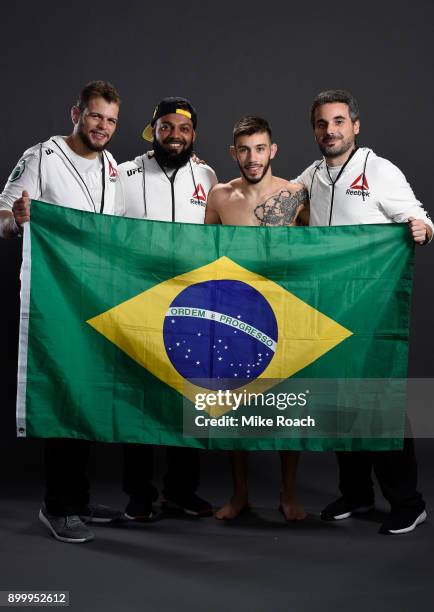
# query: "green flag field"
(159, 333)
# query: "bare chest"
(280, 208)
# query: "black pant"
(396, 472)
(182, 477)
(67, 485)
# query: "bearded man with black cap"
(165, 184)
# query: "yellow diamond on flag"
(303, 334)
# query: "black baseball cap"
(168, 106)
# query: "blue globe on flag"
(220, 334)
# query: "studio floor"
(255, 563)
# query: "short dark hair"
(97, 89)
(249, 125)
(335, 95)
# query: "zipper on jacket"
(81, 178)
(335, 181)
(172, 188)
(171, 179)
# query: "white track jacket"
(145, 192)
(47, 171)
(369, 189)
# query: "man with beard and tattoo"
(165, 184)
(351, 185)
(74, 171)
(258, 198)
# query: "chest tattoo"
(281, 208)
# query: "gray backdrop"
(230, 59)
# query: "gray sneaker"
(66, 528)
(100, 514)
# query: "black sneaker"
(403, 520)
(342, 509)
(100, 514)
(190, 504)
(69, 529)
(141, 512)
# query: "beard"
(337, 150)
(172, 159)
(253, 181)
(89, 144)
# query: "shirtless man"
(258, 198)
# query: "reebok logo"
(199, 193)
(199, 196)
(359, 186)
(113, 173)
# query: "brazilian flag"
(124, 321)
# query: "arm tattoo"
(281, 208)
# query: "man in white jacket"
(74, 171)
(351, 185)
(165, 184)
